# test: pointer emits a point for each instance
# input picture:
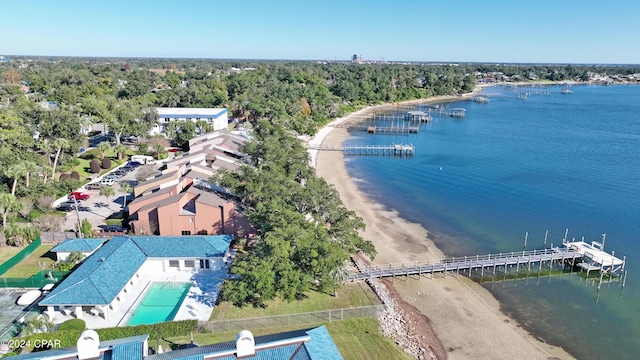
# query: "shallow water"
(549, 162)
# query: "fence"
(4, 267)
(38, 280)
(308, 318)
(51, 237)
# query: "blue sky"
(558, 31)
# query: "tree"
(181, 132)
(60, 144)
(158, 149)
(76, 257)
(125, 189)
(106, 163)
(104, 147)
(14, 172)
(203, 127)
(108, 192)
(145, 172)
(120, 151)
(340, 275)
(9, 204)
(86, 229)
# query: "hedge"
(69, 337)
(73, 324)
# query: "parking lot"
(98, 208)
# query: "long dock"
(579, 254)
(373, 129)
(395, 149)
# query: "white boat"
(29, 297)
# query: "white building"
(216, 117)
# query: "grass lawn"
(7, 252)
(350, 295)
(356, 339)
(30, 266)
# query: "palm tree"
(103, 147)
(120, 150)
(9, 204)
(108, 192)
(125, 189)
(30, 167)
(14, 171)
(340, 275)
(59, 144)
(203, 127)
(158, 148)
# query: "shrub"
(64, 177)
(106, 163)
(49, 222)
(75, 176)
(44, 203)
(143, 148)
(94, 166)
(73, 324)
(90, 154)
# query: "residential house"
(216, 117)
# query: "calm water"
(549, 162)
(160, 303)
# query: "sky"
(499, 31)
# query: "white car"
(29, 297)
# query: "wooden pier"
(393, 150)
(417, 116)
(490, 262)
(373, 129)
(576, 254)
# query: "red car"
(78, 195)
(173, 150)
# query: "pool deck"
(197, 305)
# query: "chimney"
(245, 345)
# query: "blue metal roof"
(321, 345)
(99, 279)
(83, 245)
(101, 276)
(183, 246)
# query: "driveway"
(97, 208)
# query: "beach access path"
(466, 317)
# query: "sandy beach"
(466, 318)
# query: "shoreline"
(466, 317)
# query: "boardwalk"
(483, 262)
(373, 129)
(395, 149)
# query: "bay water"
(545, 163)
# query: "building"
(85, 246)
(216, 117)
(104, 289)
(307, 344)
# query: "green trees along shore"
(305, 234)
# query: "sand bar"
(465, 316)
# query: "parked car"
(173, 150)
(78, 195)
(134, 164)
(115, 177)
(68, 206)
(106, 182)
(114, 228)
(93, 186)
(122, 171)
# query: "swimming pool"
(160, 303)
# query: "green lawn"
(356, 339)
(30, 266)
(7, 252)
(350, 295)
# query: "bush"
(143, 148)
(73, 325)
(44, 203)
(94, 166)
(106, 163)
(64, 177)
(90, 154)
(75, 176)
